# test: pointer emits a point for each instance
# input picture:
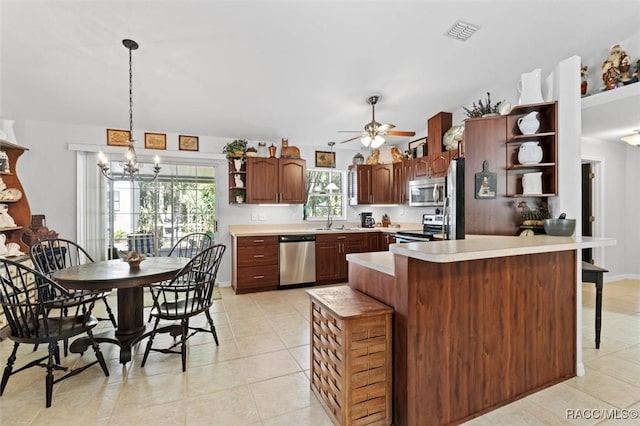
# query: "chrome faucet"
(329, 219)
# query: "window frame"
(341, 194)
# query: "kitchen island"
(478, 323)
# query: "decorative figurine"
(583, 78)
(6, 221)
(615, 69)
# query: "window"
(319, 199)
(179, 202)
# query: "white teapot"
(529, 124)
(530, 153)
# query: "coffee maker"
(367, 220)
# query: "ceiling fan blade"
(352, 139)
(386, 126)
(399, 133)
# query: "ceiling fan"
(373, 131)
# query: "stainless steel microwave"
(427, 192)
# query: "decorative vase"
(530, 153)
(272, 151)
(237, 163)
(529, 124)
(239, 199)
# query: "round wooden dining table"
(129, 282)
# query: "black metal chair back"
(52, 254)
(34, 317)
(190, 245)
(188, 294)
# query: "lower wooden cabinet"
(256, 264)
(331, 255)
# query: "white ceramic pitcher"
(530, 153)
(532, 183)
(529, 87)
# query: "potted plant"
(483, 108)
(239, 195)
(236, 148)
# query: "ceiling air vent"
(462, 30)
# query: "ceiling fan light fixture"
(366, 140)
(632, 139)
(377, 141)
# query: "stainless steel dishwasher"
(297, 259)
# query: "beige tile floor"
(259, 374)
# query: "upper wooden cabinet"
(438, 156)
(382, 187)
(374, 184)
(359, 185)
(276, 180)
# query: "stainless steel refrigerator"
(454, 204)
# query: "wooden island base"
(470, 336)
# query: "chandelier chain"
(130, 97)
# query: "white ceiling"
(264, 70)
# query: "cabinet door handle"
(341, 238)
(258, 277)
(258, 241)
(258, 255)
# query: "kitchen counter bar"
(473, 248)
(489, 318)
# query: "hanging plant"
(483, 108)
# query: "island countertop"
(475, 247)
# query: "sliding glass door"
(151, 216)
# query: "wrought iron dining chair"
(53, 254)
(188, 294)
(190, 245)
(36, 317)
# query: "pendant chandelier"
(130, 169)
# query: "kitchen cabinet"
(421, 168)
(400, 182)
(276, 180)
(438, 157)
(331, 255)
(359, 184)
(382, 188)
(546, 136)
(373, 184)
(255, 264)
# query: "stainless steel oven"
(427, 192)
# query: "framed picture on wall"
(418, 147)
(117, 137)
(187, 143)
(155, 141)
(325, 159)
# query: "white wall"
(619, 172)
(611, 177)
(48, 174)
